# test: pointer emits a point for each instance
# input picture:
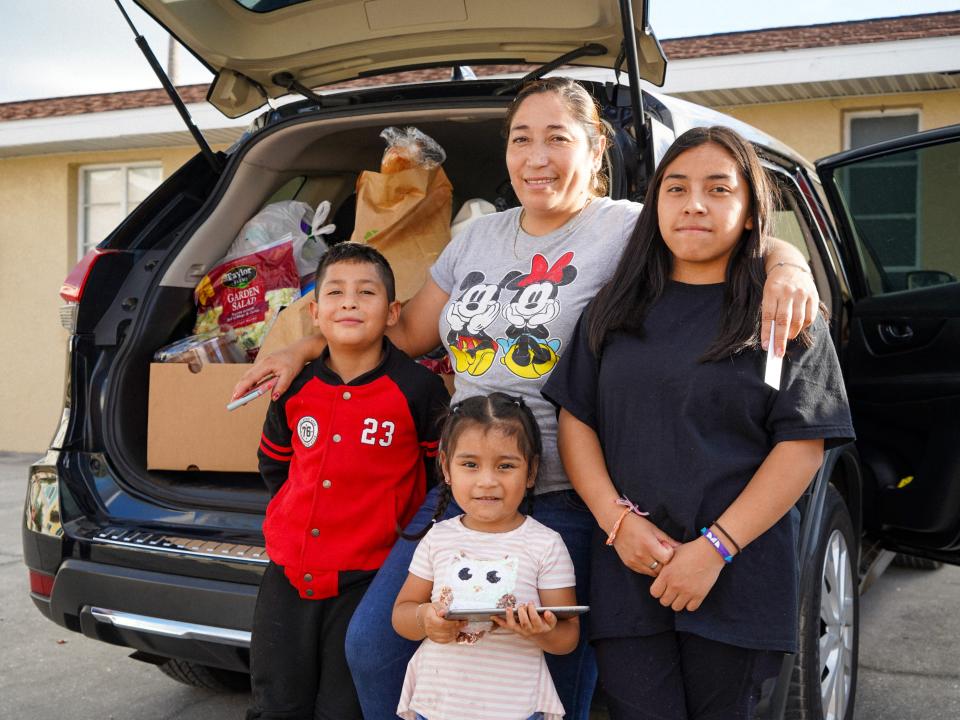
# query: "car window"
(790, 222)
(903, 211)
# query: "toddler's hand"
(436, 627)
(527, 622)
(684, 582)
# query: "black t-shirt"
(681, 439)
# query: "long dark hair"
(646, 265)
(497, 410)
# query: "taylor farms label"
(246, 292)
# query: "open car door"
(897, 206)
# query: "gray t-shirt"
(515, 300)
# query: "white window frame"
(82, 246)
(848, 117)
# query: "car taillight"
(41, 583)
(72, 289)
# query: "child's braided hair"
(498, 410)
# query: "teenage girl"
(667, 426)
(492, 555)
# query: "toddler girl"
(490, 556)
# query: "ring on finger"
(654, 565)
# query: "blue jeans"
(378, 656)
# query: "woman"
(503, 298)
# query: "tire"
(824, 681)
(206, 677)
(916, 563)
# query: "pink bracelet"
(630, 508)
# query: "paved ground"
(909, 662)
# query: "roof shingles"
(910, 27)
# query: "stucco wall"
(815, 128)
(38, 240)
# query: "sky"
(52, 48)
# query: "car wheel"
(206, 677)
(916, 563)
(824, 681)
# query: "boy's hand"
(527, 622)
(690, 575)
(436, 627)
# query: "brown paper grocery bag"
(406, 216)
(293, 323)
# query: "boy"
(345, 454)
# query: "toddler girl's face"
(489, 478)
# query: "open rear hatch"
(260, 49)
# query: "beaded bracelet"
(717, 544)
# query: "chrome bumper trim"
(125, 537)
(171, 628)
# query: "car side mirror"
(928, 278)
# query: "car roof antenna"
(171, 91)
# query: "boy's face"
(352, 310)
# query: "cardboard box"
(189, 426)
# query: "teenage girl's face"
(489, 478)
(703, 207)
(549, 159)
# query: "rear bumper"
(196, 619)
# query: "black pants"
(298, 666)
(679, 676)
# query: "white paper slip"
(771, 375)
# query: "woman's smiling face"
(549, 159)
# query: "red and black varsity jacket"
(346, 464)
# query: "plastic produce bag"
(247, 292)
(286, 220)
(404, 210)
(198, 350)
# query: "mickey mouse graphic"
(527, 352)
(478, 306)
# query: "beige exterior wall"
(38, 241)
(815, 128)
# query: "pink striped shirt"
(502, 676)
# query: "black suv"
(168, 562)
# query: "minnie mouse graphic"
(527, 351)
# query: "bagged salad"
(246, 293)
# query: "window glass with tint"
(904, 210)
